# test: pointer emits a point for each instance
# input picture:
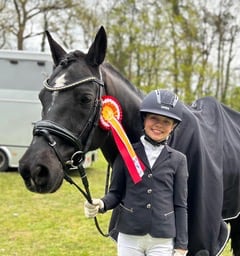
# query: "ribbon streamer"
(110, 120)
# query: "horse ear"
(97, 52)
(57, 51)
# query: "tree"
(189, 46)
(31, 18)
(226, 31)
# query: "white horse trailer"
(22, 74)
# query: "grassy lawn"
(53, 224)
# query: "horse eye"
(85, 99)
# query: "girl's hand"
(91, 210)
(180, 252)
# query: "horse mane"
(116, 73)
(75, 55)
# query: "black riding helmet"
(162, 102)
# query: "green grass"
(53, 224)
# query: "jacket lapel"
(165, 154)
(139, 149)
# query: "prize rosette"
(111, 108)
(110, 119)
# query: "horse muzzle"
(41, 172)
(39, 181)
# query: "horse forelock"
(70, 69)
(71, 57)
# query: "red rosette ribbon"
(110, 119)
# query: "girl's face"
(158, 127)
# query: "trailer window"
(23, 74)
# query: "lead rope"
(107, 179)
(84, 178)
(82, 174)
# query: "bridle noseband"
(47, 128)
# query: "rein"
(47, 128)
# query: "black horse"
(208, 135)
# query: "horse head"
(71, 101)
(71, 107)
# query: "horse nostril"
(42, 171)
(41, 175)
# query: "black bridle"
(88, 129)
(47, 128)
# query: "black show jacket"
(157, 205)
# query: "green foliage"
(190, 47)
(174, 44)
(233, 98)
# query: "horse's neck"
(109, 150)
(130, 99)
(133, 127)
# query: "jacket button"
(150, 175)
(149, 191)
(149, 206)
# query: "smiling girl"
(152, 218)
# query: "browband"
(89, 79)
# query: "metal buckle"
(77, 158)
